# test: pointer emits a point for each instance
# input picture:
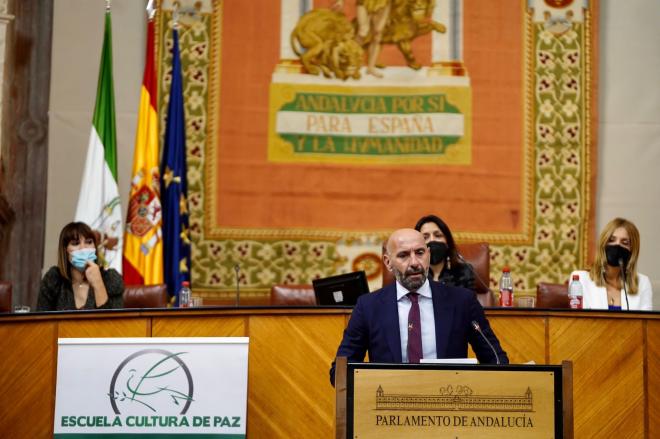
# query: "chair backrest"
(145, 296)
(476, 254)
(5, 296)
(550, 295)
(292, 295)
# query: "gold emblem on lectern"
(458, 398)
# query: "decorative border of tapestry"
(315, 128)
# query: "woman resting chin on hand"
(77, 282)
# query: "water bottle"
(185, 295)
(506, 288)
(575, 293)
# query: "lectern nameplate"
(454, 401)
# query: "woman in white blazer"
(605, 286)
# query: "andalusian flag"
(143, 245)
(176, 235)
(98, 203)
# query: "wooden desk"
(616, 362)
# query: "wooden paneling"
(289, 394)
(522, 338)
(248, 298)
(115, 327)
(198, 327)
(608, 373)
(653, 371)
(27, 381)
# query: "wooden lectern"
(453, 401)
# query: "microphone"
(476, 275)
(623, 279)
(477, 328)
(237, 268)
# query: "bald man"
(383, 323)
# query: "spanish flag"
(143, 244)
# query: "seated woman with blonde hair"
(613, 281)
(78, 282)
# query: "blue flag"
(173, 185)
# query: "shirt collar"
(424, 290)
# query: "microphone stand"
(623, 279)
(477, 328)
(237, 268)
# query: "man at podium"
(415, 317)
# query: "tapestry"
(316, 128)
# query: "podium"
(453, 401)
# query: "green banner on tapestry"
(375, 125)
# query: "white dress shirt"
(595, 297)
(426, 316)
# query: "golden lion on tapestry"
(324, 42)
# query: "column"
(291, 11)
(5, 22)
(447, 48)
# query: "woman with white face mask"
(78, 282)
(613, 281)
(445, 266)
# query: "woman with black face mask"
(615, 263)
(445, 265)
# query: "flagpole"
(151, 10)
(175, 16)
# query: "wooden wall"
(616, 363)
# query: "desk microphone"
(237, 269)
(477, 328)
(474, 273)
(623, 278)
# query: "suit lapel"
(443, 312)
(390, 315)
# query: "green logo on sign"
(155, 379)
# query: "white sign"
(380, 125)
(188, 387)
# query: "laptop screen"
(341, 290)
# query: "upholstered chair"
(550, 295)
(5, 296)
(145, 296)
(292, 295)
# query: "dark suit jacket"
(374, 327)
